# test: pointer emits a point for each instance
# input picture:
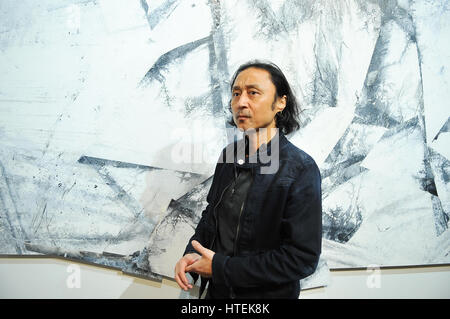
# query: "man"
(262, 228)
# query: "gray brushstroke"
(218, 66)
(441, 200)
(325, 82)
(374, 111)
(130, 202)
(159, 14)
(101, 166)
(325, 87)
(134, 264)
(215, 87)
(441, 219)
(391, 11)
(193, 103)
(291, 14)
(165, 60)
(428, 181)
(100, 162)
(341, 223)
(270, 24)
(12, 218)
(444, 129)
(371, 111)
(217, 63)
(340, 167)
(188, 208)
(443, 167)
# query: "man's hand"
(180, 270)
(202, 266)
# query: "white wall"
(49, 277)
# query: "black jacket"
(280, 228)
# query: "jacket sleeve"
(199, 234)
(297, 256)
(200, 230)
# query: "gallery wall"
(100, 102)
(56, 278)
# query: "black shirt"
(229, 211)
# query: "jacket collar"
(260, 158)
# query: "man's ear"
(281, 103)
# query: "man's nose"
(243, 100)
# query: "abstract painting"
(112, 118)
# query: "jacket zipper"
(214, 213)
(239, 219)
(237, 229)
(232, 293)
(215, 221)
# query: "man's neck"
(259, 137)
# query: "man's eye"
(235, 94)
(253, 92)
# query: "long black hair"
(288, 120)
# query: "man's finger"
(193, 260)
(179, 277)
(180, 282)
(198, 247)
(190, 268)
(183, 278)
(180, 274)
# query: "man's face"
(254, 102)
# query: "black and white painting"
(112, 117)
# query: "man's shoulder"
(296, 155)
